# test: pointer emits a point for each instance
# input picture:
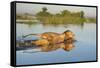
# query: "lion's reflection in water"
(67, 46)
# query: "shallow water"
(85, 47)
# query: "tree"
(44, 12)
(44, 9)
(65, 12)
(82, 14)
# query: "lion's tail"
(31, 34)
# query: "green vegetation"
(63, 17)
(91, 20)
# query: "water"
(85, 47)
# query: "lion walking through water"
(52, 37)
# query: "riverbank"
(26, 21)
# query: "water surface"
(85, 47)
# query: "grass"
(92, 20)
(61, 20)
